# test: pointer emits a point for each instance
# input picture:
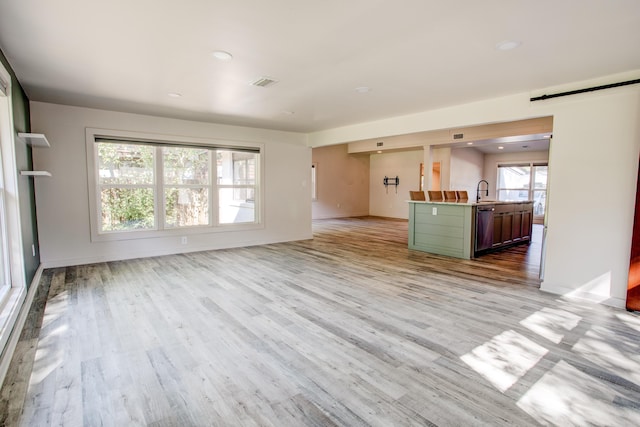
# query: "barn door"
(633, 288)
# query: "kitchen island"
(467, 230)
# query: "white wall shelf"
(35, 173)
(34, 139)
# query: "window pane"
(513, 195)
(186, 207)
(127, 209)
(540, 177)
(5, 278)
(236, 205)
(514, 177)
(125, 164)
(186, 165)
(236, 168)
(539, 202)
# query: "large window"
(126, 183)
(5, 276)
(154, 188)
(13, 289)
(236, 186)
(187, 186)
(524, 181)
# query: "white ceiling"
(415, 55)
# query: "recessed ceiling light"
(175, 95)
(508, 45)
(221, 55)
(379, 152)
(363, 89)
(470, 143)
(500, 147)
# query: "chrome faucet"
(478, 191)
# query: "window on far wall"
(126, 184)
(236, 184)
(524, 181)
(145, 189)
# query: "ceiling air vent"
(264, 82)
(458, 136)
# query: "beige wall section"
(440, 155)
(588, 244)
(342, 183)
(386, 201)
(435, 177)
(467, 166)
(446, 136)
(63, 201)
(491, 162)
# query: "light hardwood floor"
(350, 328)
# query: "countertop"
(482, 202)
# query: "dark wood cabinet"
(512, 224)
(507, 224)
(503, 222)
(527, 223)
(497, 229)
(516, 227)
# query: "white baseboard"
(69, 262)
(584, 295)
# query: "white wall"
(595, 149)
(467, 165)
(594, 152)
(491, 162)
(387, 202)
(62, 201)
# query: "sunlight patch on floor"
(505, 358)
(49, 356)
(629, 319)
(623, 359)
(597, 290)
(551, 323)
(565, 396)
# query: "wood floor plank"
(348, 329)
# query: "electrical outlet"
(434, 211)
(184, 240)
(338, 205)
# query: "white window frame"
(162, 201)
(153, 186)
(532, 190)
(91, 134)
(12, 299)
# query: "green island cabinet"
(468, 230)
(441, 228)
